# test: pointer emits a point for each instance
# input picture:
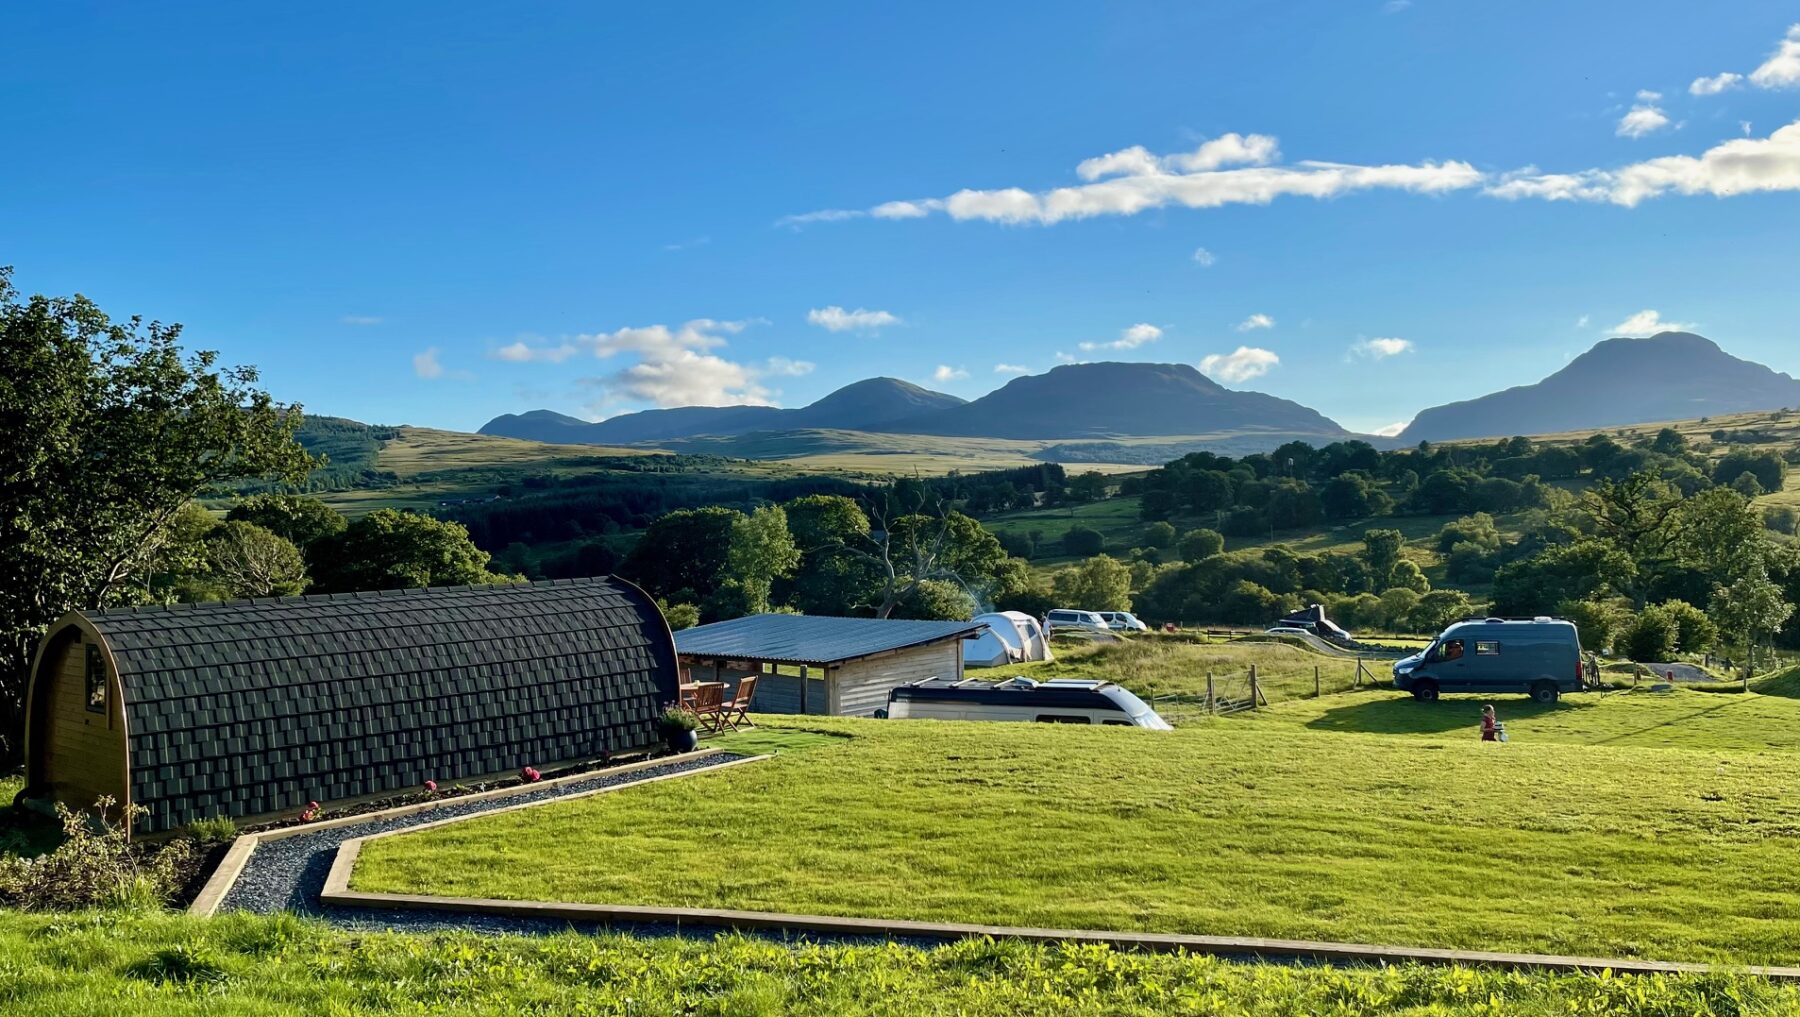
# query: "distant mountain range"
(1669, 376)
(1071, 401)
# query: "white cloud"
(1648, 322)
(1642, 119)
(1203, 257)
(1582, 322)
(1067, 358)
(1395, 6)
(360, 319)
(783, 367)
(1744, 128)
(1391, 430)
(1232, 169)
(1645, 95)
(1011, 369)
(1782, 69)
(521, 352)
(946, 373)
(1738, 166)
(1129, 339)
(426, 364)
(1241, 365)
(1255, 321)
(836, 319)
(1715, 84)
(1381, 348)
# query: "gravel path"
(287, 875)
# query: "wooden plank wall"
(862, 686)
(86, 750)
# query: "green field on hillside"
(1579, 845)
(1154, 666)
(156, 966)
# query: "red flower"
(310, 813)
(530, 774)
(431, 786)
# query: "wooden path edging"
(219, 884)
(338, 895)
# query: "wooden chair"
(737, 711)
(708, 703)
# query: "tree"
(107, 429)
(1397, 607)
(683, 554)
(1636, 515)
(830, 578)
(1198, 545)
(1596, 622)
(1347, 496)
(1439, 609)
(936, 600)
(1751, 607)
(1381, 552)
(915, 547)
(1159, 535)
(247, 560)
(1769, 469)
(1100, 583)
(1694, 631)
(296, 518)
(391, 549)
(1083, 542)
(1583, 570)
(761, 550)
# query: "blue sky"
(434, 213)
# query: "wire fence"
(1255, 688)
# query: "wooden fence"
(1251, 689)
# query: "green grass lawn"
(1228, 827)
(1155, 666)
(167, 966)
(1682, 719)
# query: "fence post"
(1255, 689)
(1212, 705)
(1317, 689)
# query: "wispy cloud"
(1011, 369)
(1582, 322)
(1738, 166)
(1232, 169)
(1203, 257)
(427, 365)
(1240, 365)
(360, 319)
(946, 373)
(1129, 339)
(1381, 348)
(1255, 321)
(836, 319)
(686, 245)
(783, 367)
(1391, 430)
(1648, 322)
(1395, 6)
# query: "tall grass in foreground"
(155, 966)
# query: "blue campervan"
(1538, 656)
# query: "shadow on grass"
(1402, 714)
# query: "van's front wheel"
(1544, 692)
(1425, 691)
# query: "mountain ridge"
(1618, 382)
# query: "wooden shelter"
(823, 665)
(254, 708)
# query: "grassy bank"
(1156, 666)
(1228, 827)
(53, 966)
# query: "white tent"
(1011, 637)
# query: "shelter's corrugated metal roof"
(813, 639)
(248, 707)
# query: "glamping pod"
(250, 708)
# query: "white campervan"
(1062, 701)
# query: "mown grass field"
(1156, 666)
(146, 966)
(1578, 844)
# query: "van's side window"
(1453, 650)
(1060, 718)
(1487, 648)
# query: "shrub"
(1201, 544)
(1651, 637)
(1160, 535)
(217, 830)
(94, 866)
(1695, 630)
(674, 718)
(1083, 542)
(1596, 622)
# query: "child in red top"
(1490, 724)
